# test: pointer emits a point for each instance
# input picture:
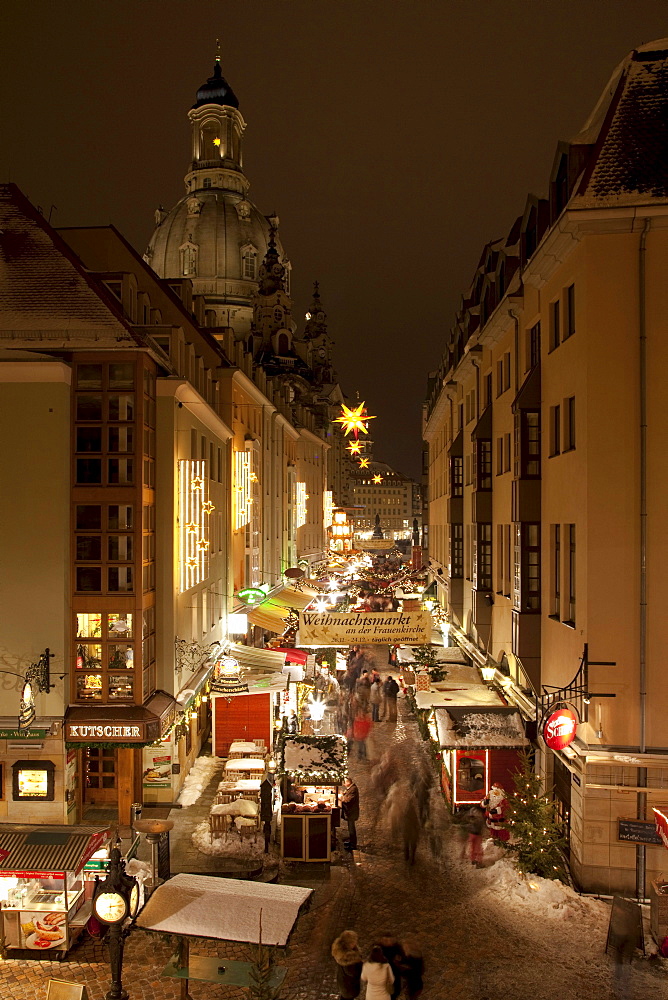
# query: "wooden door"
(242, 717)
(100, 769)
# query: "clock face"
(134, 900)
(110, 907)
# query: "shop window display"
(121, 687)
(89, 687)
(33, 780)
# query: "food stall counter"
(42, 892)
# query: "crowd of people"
(390, 965)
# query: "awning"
(190, 690)
(122, 724)
(226, 909)
(47, 851)
(493, 727)
(273, 612)
(267, 660)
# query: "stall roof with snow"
(492, 727)
(226, 909)
(318, 759)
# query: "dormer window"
(188, 260)
(249, 263)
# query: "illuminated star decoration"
(354, 447)
(353, 420)
(216, 142)
(364, 463)
(377, 478)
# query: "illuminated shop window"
(89, 656)
(89, 625)
(89, 687)
(120, 624)
(121, 656)
(33, 780)
(121, 687)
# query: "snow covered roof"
(227, 909)
(629, 135)
(314, 757)
(496, 726)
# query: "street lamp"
(116, 898)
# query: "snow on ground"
(199, 777)
(229, 846)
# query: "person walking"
(363, 689)
(375, 698)
(348, 958)
(361, 730)
(350, 811)
(393, 954)
(391, 690)
(412, 968)
(377, 974)
(473, 822)
(410, 829)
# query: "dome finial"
(218, 51)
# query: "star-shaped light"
(353, 420)
(364, 463)
(196, 483)
(377, 478)
(354, 447)
(191, 527)
(207, 506)
(216, 142)
(202, 545)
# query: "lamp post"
(115, 899)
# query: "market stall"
(317, 766)
(222, 909)
(44, 898)
(480, 746)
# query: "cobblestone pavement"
(474, 947)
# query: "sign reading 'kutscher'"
(339, 628)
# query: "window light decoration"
(194, 510)
(301, 497)
(243, 489)
(327, 508)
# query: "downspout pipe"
(516, 343)
(642, 651)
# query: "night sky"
(393, 139)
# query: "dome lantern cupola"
(217, 130)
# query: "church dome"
(216, 90)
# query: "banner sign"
(375, 544)
(661, 821)
(338, 628)
(24, 734)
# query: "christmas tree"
(536, 838)
(425, 659)
(261, 972)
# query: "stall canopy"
(492, 727)
(226, 909)
(273, 612)
(318, 759)
(50, 850)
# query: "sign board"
(251, 596)
(337, 628)
(85, 733)
(24, 734)
(559, 728)
(157, 770)
(377, 544)
(60, 989)
(625, 932)
(638, 831)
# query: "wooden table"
(240, 746)
(245, 764)
(240, 785)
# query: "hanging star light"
(377, 478)
(364, 463)
(353, 420)
(354, 447)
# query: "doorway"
(100, 768)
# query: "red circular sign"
(559, 728)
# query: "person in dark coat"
(412, 968)
(350, 811)
(391, 690)
(348, 958)
(393, 953)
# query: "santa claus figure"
(495, 805)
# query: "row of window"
(562, 318)
(562, 426)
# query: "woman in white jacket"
(378, 976)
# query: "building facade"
(547, 469)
